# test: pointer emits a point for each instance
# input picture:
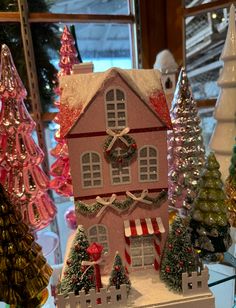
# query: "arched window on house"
(99, 234)
(148, 164)
(116, 113)
(91, 170)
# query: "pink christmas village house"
(116, 126)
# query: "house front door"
(142, 251)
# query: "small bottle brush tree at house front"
(77, 277)
(179, 256)
(118, 274)
(209, 220)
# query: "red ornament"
(134, 145)
(168, 270)
(170, 246)
(117, 268)
(189, 250)
(181, 263)
(68, 262)
(70, 218)
(77, 247)
(178, 232)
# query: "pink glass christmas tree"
(185, 146)
(60, 169)
(20, 156)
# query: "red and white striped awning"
(143, 226)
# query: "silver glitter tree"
(186, 154)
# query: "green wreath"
(124, 157)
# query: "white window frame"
(148, 164)
(115, 102)
(120, 167)
(91, 172)
(97, 238)
(140, 254)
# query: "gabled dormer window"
(91, 171)
(148, 164)
(115, 104)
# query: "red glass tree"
(60, 169)
(20, 156)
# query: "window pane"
(111, 123)
(97, 182)
(148, 260)
(152, 152)
(110, 97)
(143, 152)
(120, 95)
(120, 106)
(191, 3)
(8, 6)
(153, 176)
(136, 262)
(87, 183)
(90, 7)
(93, 231)
(208, 124)
(102, 238)
(111, 115)
(205, 36)
(95, 158)
(143, 177)
(121, 123)
(153, 169)
(136, 241)
(148, 241)
(136, 252)
(85, 158)
(87, 175)
(101, 230)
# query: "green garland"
(124, 205)
(127, 156)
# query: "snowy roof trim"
(79, 89)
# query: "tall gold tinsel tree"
(230, 189)
(24, 272)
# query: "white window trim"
(120, 176)
(90, 164)
(115, 102)
(142, 254)
(98, 235)
(139, 165)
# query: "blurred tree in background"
(46, 43)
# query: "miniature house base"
(148, 291)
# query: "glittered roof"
(78, 91)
